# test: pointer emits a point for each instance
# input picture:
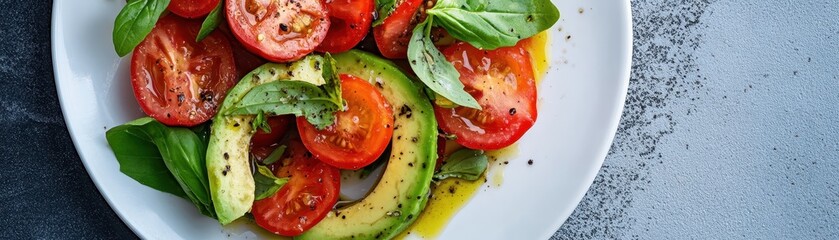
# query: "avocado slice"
(228, 164)
(402, 192)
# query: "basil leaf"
(490, 24)
(288, 97)
(450, 137)
(184, 154)
(444, 102)
(275, 155)
(211, 22)
(317, 103)
(332, 84)
(434, 70)
(260, 122)
(134, 22)
(203, 132)
(383, 10)
(180, 150)
(140, 160)
(465, 164)
(266, 183)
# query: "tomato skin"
(441, 152)
(192, 8)
(360, 134)
(502, 81)
(178, 81)
(393, 36)
(263, 143)
(311, 192)
(349, 23)
(278, 30)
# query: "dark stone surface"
(664, 70)
(45, 190)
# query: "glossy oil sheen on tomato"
(446, 203)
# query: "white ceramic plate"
(581, 100)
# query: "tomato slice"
(192, 8)
(393, 36)
(263, 143)
(502, 82)
(278, 30)
(310, 193)
(360, 133)
(350, 22)
(178, 81)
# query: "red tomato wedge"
(278, 30)
(393, 36)
(178, 81)
(310, 193)
(502, 82)
(350, 21)
(263, 143)
(192, 8)
(360, 133)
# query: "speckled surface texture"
(731, 130)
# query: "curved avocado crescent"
(402, 192)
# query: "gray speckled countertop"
(731, 130)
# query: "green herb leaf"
(211, 22)
(134, 22)
(332, 85)
(383, 10)
(140, 160)
(317, 103)
(261, 122)
(143, 145)
(444, 102)
(465, 164)
(203, 132)
(266, 183)
(450, 137)
(490, 24)
(434, 70)
(289, 97)
(275, 155)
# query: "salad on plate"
(269, 110)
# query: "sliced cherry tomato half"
(192, 8)
(263, 143)
(349, 23)
(393, 36)
(502, 82)
(278, 30)
(310, 193)
(178, 81)
(360, 133)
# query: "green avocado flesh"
(402, 192)
(228, 165)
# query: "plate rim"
(64, 112)
(626, 73)
(626, 41)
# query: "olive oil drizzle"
(450, 195)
